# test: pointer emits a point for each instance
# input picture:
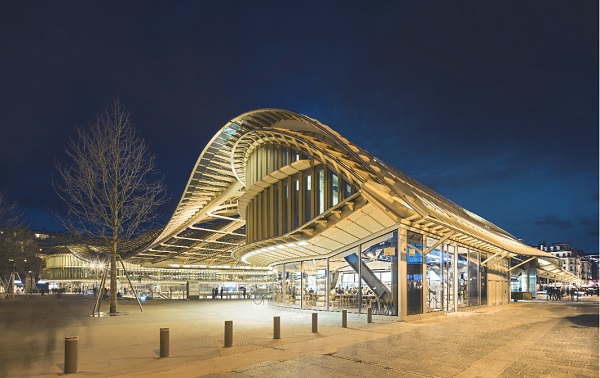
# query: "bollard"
(71, 354)
(315, 326)
(370, 315)
(344, 318)
(228, 334)
(276, 327)
(164, 342)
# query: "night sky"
(492, 104)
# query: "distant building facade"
(572, 260)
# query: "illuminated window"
(296, 201)
(307, 197)
(335, 189)
(320, 195)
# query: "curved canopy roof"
(208, 225)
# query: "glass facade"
(294, 200)
(314, 275)
(379, 274)
(434, 274)
(293, 285)
(344, 280)
(357, 279)
(438, 277)
(463, 276)
(66, 271)
(414, 273)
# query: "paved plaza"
(523, 339)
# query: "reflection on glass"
(307, 197)
(473, 278)
(295, 201)
(414, 273)
(314, 273)
(378, 273)
(344, 281)
(320, 195)
(463, 276)
(284, 207)
(293, 285)
(449, 278)
(483, 273)
(435, 277)
(346, 189)
(276, 289)
(276, 209)
(335, 189)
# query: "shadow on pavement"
(585, 320)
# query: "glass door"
(448, 278)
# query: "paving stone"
(524, 339)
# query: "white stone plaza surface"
(526, 338)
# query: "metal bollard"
(276, 327)
(164, 342)
(71, 354)
(344, 318)
(228, 333)
(369, 315)
(315, 326)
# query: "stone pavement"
(522, 339)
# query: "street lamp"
(30, 283)
(12, 279)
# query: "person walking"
(221, 292)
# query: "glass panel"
(293, 285)
(295, 201)
(307, 197)
(320, 195)
(463, 276)
(483, 270)
(378, 271)
(276, 208)
(343, 184)
(284, 208)
(314, 273)
(473, 278)
(435, 276)
(344, 281)
(448, 278)
(347, 189)
(414, 274)
(285, 155)
(256, 165)
(276, 288)
(333, 180)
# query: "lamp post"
(12, 279)
(30, 283)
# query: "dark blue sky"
(492, 104)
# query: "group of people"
(553, 293)
(219, 293)
(215, 293)
(556, 293)
(351, 291)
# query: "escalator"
(378, 288)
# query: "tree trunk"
(113, 283)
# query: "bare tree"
(10, 216)
(109, 185)
(17, 243)
(11, 230)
